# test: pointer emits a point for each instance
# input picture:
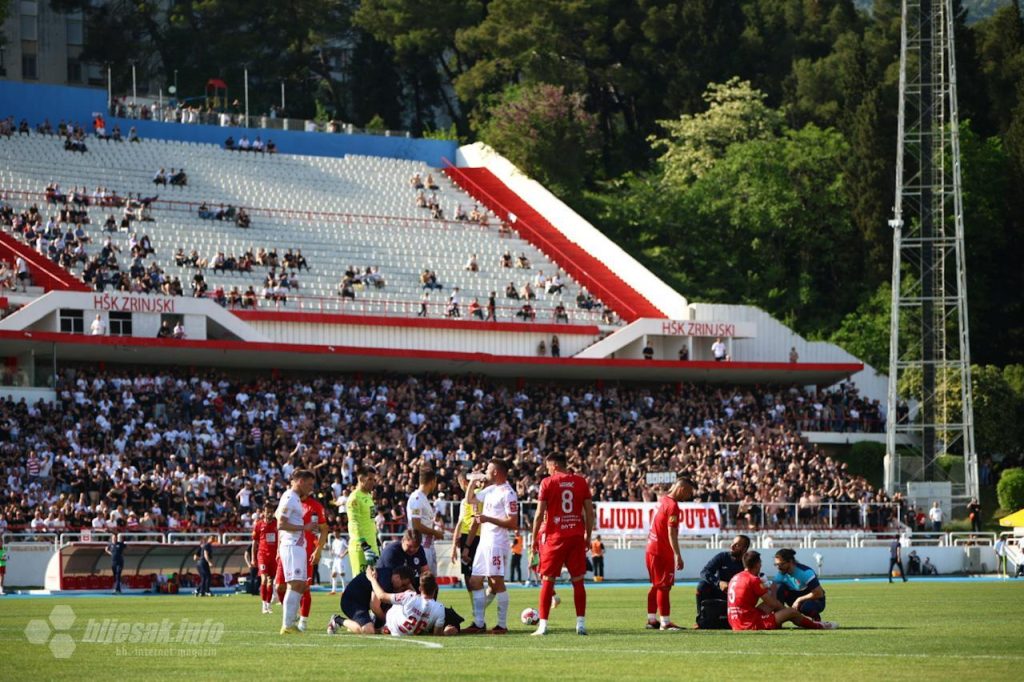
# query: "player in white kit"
(497, 518)
(338, 548)
(411, 613)
(291, 544)
(420, 514)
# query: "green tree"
(545, 131)
(735, 113)
(1010, 489)
(864, 332)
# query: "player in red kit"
(663, 557)
(312, 513)
(264, 548)
(566, 510)
(745, 613)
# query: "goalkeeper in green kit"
(362, 531)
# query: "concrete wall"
(36, 102)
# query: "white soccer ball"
(529, 616)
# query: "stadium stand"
(172, 450)
(349, 213)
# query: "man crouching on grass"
(745, 613)
(411, 613)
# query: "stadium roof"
(247, 354)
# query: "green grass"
(920, 631)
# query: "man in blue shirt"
(716, 574)
(116, 551)
(797, 585)
(204, 558)
(405, 552)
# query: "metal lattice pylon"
(930, 407)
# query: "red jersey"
(264, 534)
(311, 508)
(666, 521)
(745, 590)
(565, 495)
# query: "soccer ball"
(529, 616)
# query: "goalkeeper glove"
(369, 555)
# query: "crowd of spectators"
(180, 448)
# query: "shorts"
(753, 619)
(355, 600)
(661, 570)
(267, 565)
(490, 561)
(570, 552)
(337, 567)
(294, 562)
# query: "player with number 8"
(565, 520)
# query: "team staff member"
(663, 557)
(362, 530)
(797, 585)
(516, 573)
(716, 574)
(204, 558)
(116, 551)
(363, 612)
(746, 613)
(565, 509)
(597, 552)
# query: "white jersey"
(413, 614)
(498, 501)
(420, 507)
(290, 509)
(338, 546)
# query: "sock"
(652, 617)
(291, 607)
(663, 604)
(580, 622)
(502, 609)
(334, 584)
(652, 604)
(479, 603)
(802, 621)
(305, 604)
(579, 597)
(263, 594)
(542, 625)
(303, 619)
(547, 588)
(281, 591)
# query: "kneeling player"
(363, 610)
(745, 613)
(412, 613)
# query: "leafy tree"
(1010, 489)
(864, 332)
(545, 131)
(736, 113)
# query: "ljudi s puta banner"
(635, 518)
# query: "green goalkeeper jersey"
(361, 526)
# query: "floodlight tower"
(929, 351)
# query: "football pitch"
(920, 630)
